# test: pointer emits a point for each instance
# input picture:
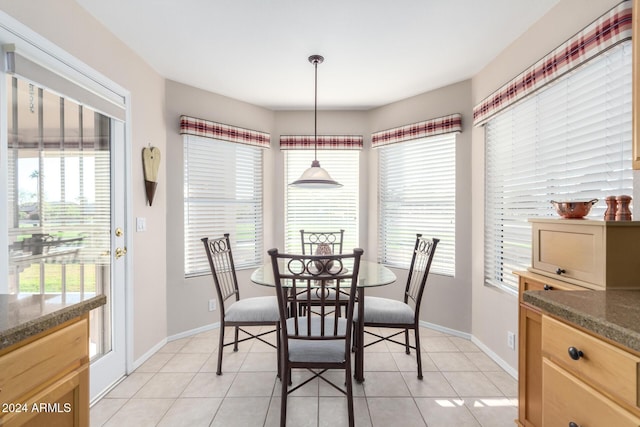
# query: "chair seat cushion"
(317, 351)
(386, 311)
(257, 309)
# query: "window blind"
(222, 194)
(417, 187)
(326, 209)
(572, 140)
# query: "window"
(572, 140)
(417, 195)
(222, 194)
(326, 209)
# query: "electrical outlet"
(212, 304)
(511, 340)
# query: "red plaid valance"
(441, 125)
(325, 142)
(208, 129)
(608, 30)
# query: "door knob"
(120, 252)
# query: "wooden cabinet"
(586, 381)
(44, 380)
(530, 348)
(589, 253)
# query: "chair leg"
(417, 332)
(286, 378)
(278, 351)
(406, 341)
(220, 349)
(235, 342)
(349, 385)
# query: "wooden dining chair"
(236, 312)
(405, 314)
(320, 340)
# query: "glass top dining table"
(371, 274)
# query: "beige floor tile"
(208, 384)
(298, 376)
(409, 362)
(433, 384)
(252, 384)
(493, 412)
(464, 344)
(437, 344)
(185, 362)
(394, 411)
(260, 362)
(191, 413)
(200, 345)
(461, 386)
(333, 412)
(379, 361)
(105, 409)
(165, 385)
(483, 362)
(242, 412)
(452, 361)
(505, 382)
(174, 346)
(389, 384)
(140, 413)
(338, 378)
(472, 384)
(130, 385)
(443, 412)
(155, 362)
(231, 362)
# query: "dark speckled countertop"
(22, 316)
(613, 314)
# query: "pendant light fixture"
(315, 176)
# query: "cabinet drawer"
(528, 284)
(32, 366)
(569, 252)
(598, 362)
(566, 399)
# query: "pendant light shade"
(315, 176)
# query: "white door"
(64, 150)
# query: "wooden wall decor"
(150, 164)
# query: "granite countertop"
(22, 316)
(613, 314)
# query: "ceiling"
(376, 51)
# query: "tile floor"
(178, 386)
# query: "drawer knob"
(572, 424)
(548, 287)
(560, 271)
(575, 354)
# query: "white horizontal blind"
(325, 209)
(417, 191)
(572, 140)
(222, 194)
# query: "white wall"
(496, 312)
(71, 28)
(447, 300)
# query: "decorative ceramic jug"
(324, 249)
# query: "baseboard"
(153, 350)
(504, 365)
(192, 332)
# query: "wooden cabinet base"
(58, 397)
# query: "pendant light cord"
(315, 117)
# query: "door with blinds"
(65, 202)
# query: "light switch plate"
(141, 224)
